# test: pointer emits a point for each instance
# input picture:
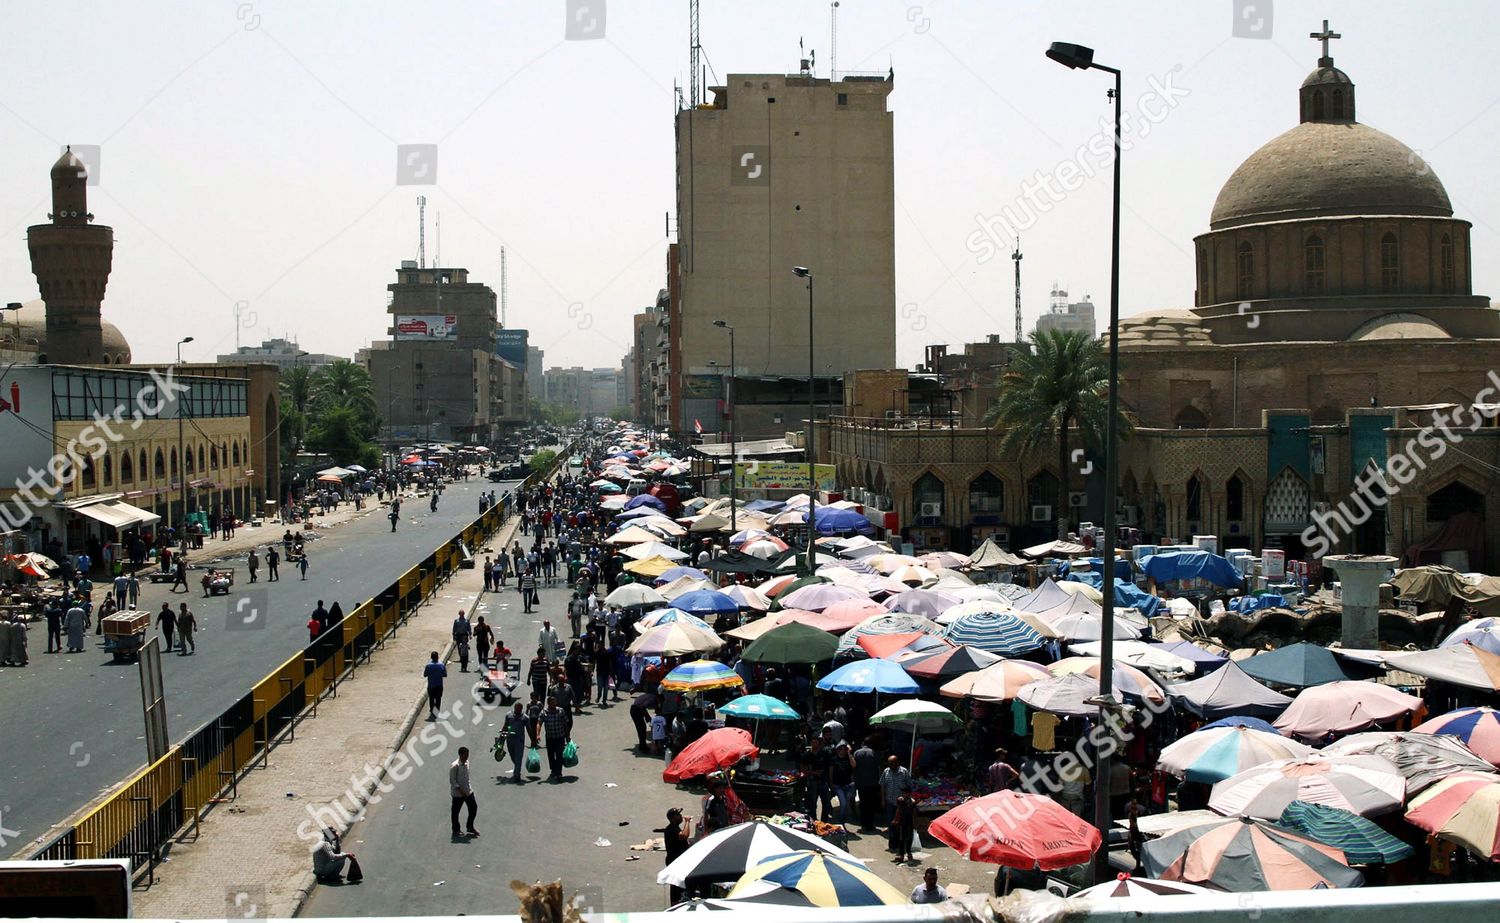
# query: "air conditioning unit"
(1077, 498)
(1041, 513)
(930, 511)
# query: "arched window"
(1041, 490)
(174, 463)
(1338, 104)
(161, 464)
(213, 457)
(200, 458)
(1445, 262)
(109, 470)
(1195, 501)
(1312, 264)
(86, 474)
(987, 494)
(1317, 105)
(1390, 263)
(1191, 417)
(1203, 273)
(927, 498)
(187, 460)
(1234, 499)
(237, 459)
(127, 468)
(1246, 273)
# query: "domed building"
(1333, 319)
(25, 332)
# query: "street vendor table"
(769, 787)
(937, 793)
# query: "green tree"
(340, 434)
(542, 460)
(1062, 384)
(296, 388)
(344, 385)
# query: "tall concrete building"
(282, 353)
(535, 370)
(71, 259)
(569, 389)
(441, 378)
(778, 171)
(1065, 315)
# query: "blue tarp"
(1127, 595)
(1184, 565)
(644, 500)
(1247, 604)
(764, 506)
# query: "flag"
(697, 426)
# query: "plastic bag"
(533, 760)
(570, 755)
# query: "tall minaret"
(71, 260)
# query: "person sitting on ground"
(328, 862)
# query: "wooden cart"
(124, 633)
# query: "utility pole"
(1016, 256)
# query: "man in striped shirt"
(559, 727)
(527, 582)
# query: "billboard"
(780, 475)
(426, 326)
(510, 345)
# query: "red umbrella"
(884, 645)
(715, 750)
(1017, 830)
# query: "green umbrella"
(1363, 841)
(793, 642)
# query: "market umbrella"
(654, 549)
(889, 624)
(747, 597)
(1229, 721)
(667, 616)
(634, 595)
(700, 676)
(792, 642)
(764, 548)
(825, 880)
(817, 597)
(726, 854)
(1229, 692)
(1421, 758)
(752, 630)
(851, 612)
(675, 639)
(1245, 854)
(917, 716)
(1484, 633)
(1139, 654)
(651, 567)
(1062, 695)
(1017, 830)
(706, 602)
(869, 676)
(930, 603)
(1478, 728)
(1463, 808)
(952, 560)
(681, 571)
(1299, 665)
(1212, 755)
(715, 750)
(687, 583)
(1127, 885)
(1362, 841)
(944, 665)
(995, 632)
(1365, 785)
(1464, 664)
(998, 682)
(777, 585)
(886, 645)
(914, 574)
(1124, 677)
(775, 895)
(645, 500)
(1204, 660)
(760, 707)
(1343, 706)
(1089, 626)
(633, 535)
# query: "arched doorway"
(1288, 505)
(927, 500)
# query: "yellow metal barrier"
(119, 820)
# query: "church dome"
(32, 321)
(1326, 169)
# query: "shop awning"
(117, 514)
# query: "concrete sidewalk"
(250, 858)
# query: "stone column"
(1360, 576)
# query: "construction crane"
(1016, 256)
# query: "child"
(313, 627)
(658, 733)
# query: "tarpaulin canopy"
(1126, 593)
(1300, 665)
(1184, 565)
(990, 556)
(1464, 664)
(1227, 691)
(1431, 585)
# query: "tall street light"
(1079, 57)
(802, 272)
(734, 455)
(181, 458)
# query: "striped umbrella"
(1422, 758)
(759, 707)
(997, 682)
(726, 854)
(1244, 854)
(1463, 808)
(825, 880)
(1362, 841)
(1479, 728)
(675, 639)
(1126, 885)
(667, 616)
(700, 675)
(1216, 754)
(776, 895)
(1362, 784)
(997, 632)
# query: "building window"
(843, 99)
(187, 460)
(1445, 260)
(1317, 101)
(1203, 272)
(86, 474)
(1246, 257)
(987, 494)
(1390, 263)
(927, 497)
(109, 470)
(174, 463)
(141, 467)
(1312, 264)
(1195, 500)
(200, 460)
(236, 454)
(127, 469)
(213, 457)
(1234, 499)
(161, 464)
(1338, 104)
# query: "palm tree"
(296, 388)
(1061, 384)
(345, 385)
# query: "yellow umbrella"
(825, 880)
(654, 566)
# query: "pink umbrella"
(819, 596)
(1478, 727)
(995, 683)
(931, 603)
(1364, 785)
(1125, 677)
(1343, 706)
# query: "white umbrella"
(634, 594)
(651, 549)
(1364, 785)
(1139, 654)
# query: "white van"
(635, 487)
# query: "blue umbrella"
(871, 675)
(995, 632)
(834, 521)
(762, 707)
(673, 573)
(644, 500)
(1363, 841)
(1255, 724)
(705, 602)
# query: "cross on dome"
(1325, 37)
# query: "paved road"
(535, 830)
(71, 725)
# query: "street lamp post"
(181, 442)
(1080, 57)
(734, 455)
(812, 484)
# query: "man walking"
(539, 671)
(547, 639)
(867, 785)
(122, 589)
(187, 623)
(54, 627)
(577, 606)
(166, 622)
(253, 564)
(272, 560)
(489, 573)
(559, 727)
(435, 673)
(393, 516)
(321, 615)
(527, 582)
(462, 632)
(179, 575)
(134, 589)
(302, 565)
(514, 736)
(462, 792)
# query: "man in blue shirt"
(435, 673)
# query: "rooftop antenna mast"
(833, 41)
(421, 232)
(694, 49)
(504, 288)
(1016, 256)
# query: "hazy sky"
(249, 150)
